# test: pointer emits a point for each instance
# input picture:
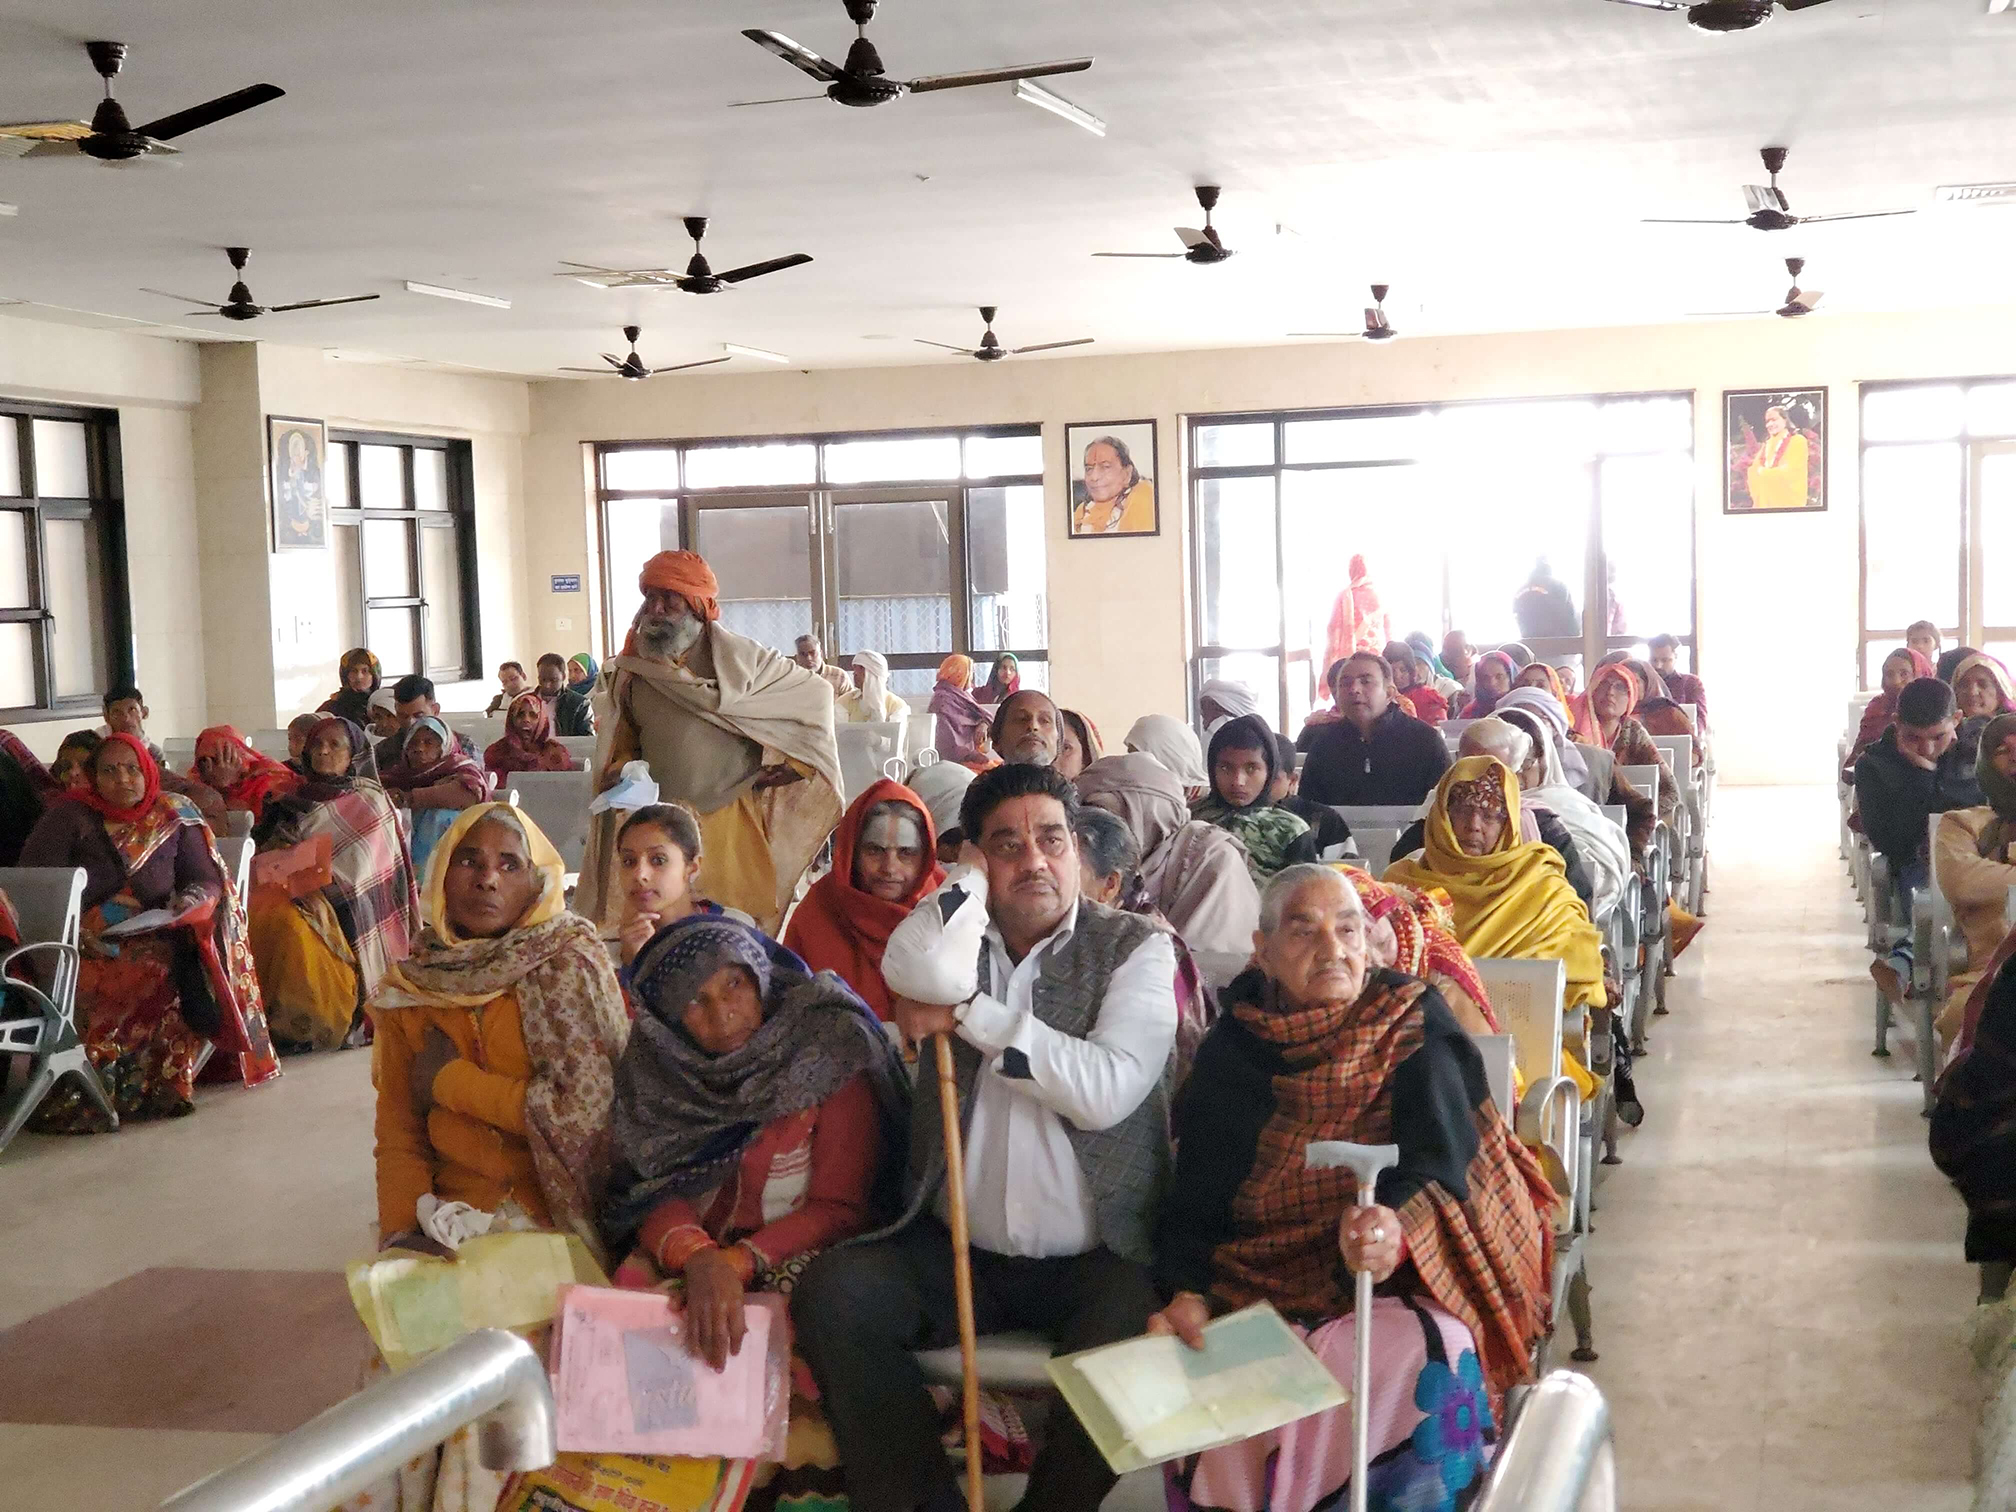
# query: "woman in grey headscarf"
(1175, 745)
(1602, 846)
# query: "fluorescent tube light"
(462, 294)
(7, 209)
(1057, 105)
(757, 352)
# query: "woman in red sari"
(529, 744)
(1900, 668)
(147, 1002)
(226, 761)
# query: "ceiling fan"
(1798, 301)
(1201, 247)
(238, 304)
(861, 81)
(633, 366)
(990, 348)
(110, 137)
(1377, 328)
(1725, 15)
(699, 277)
(1769, 209)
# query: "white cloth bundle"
(934, 955)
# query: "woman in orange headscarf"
(961, 734)
(226, 761)
(1581, 725)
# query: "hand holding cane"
(962, 1266)
(1365, 1162)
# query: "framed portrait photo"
(1774, 450)
(296, 451)
(1112, 472)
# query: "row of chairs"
(181, 749)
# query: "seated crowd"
(1180, 977)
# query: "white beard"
(668, 640)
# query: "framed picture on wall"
(296, 451)
(1774, 448)
(1112, 469)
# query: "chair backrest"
(1375, 847)
(1500, 1055)
(1617, 814)
(180, 751)
(558, 803)
(1601, 764)
(269, 743)
(1643, 778)
(1452, 729)
(1942, 911)
(237, 822)
(862, 749)
(1527, 997)
(1679, 753)
(49, 905)
(236, 853)
(2009, 909)
(1394, 816)
(580, 747)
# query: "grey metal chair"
(40, 1020)
(558, 803)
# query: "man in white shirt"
(1063, 1060)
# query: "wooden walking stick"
(962, 1267)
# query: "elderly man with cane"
(1059, 1048)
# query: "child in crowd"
(73, 760)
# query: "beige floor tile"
(107, 1469)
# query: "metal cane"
(1364, 1162)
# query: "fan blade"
(1051, 346)
(614, 362)
(210, 112)
(1190, 236)
(1724, 314)
(316, 304)
(757, 270)
(1762, 197)
(943, 347)
(1662, 5)
(780, 100)
(996, 75)
(23, 137)
(798, 57)
(1796, 5)
(681, 367)
(188, 299)
(52, 149)
(1334, 335)
(1177, 256)
(1854, 215)
(1660, 220)
(591, 372)
(1809, 298)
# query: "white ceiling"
(1488, 158)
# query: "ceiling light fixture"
(1057, 105)
(1974, 194)
(462, 294)
(757, 352)
(7, 209)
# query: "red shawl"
(263, 777)
(839, 927)
(1426, 933)
(88, 794)
(540, 752)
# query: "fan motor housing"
(1729, 15)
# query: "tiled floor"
(1781, 1305)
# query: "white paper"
(140, 923)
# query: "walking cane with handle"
(1364, 1162)
(962, 1267)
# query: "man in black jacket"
(1377, 753)
(1915, 771)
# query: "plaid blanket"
(372, 890)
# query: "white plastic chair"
(1393, 816)
(236, 853)
(863, 751)
(1375, 848)
(180, 751)
(269, 743)
(1500, 1055)
(40, 1021)
(558, 803)
(580, 747)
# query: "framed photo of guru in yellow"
(1774, 448)
(1112, 472)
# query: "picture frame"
(1774, 450)
(1120, 499)
(297, 456)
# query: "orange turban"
(687, 574)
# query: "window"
(64, 614)
(914, 544)
(1938, 508)
(1453, 509)
(404, 549)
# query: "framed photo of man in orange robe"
(1774, 445)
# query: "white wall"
(1777, 596)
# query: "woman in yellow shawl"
(1510, 899)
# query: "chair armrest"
(65, 953)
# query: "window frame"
(104, 510)
(458, 472)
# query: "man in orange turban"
(742, 735)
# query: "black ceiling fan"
(1769, 209)
(862, 81)
(1798, 301)
(699, 277)
(238, 303)
(1725, 15)
(110, 137)
(1377, 327)
(1201, 247)
(990, 348)
(633, 366)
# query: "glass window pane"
(894, 567)
(633, 531)
(891, 459)
(390, 635)
(746, 466)
(1242, 584)
(1359, 438)
(15, 526)
(1998, 539)
(349, 585)
(336, 477)
(1008, 569)
(10, 457)
(1991, 411)
(763, 559)
(1260, 672)
(17, 666)
(1911, 502)
(1648, 540)
(62, 469)
(1642, 425)
(1512, 499)
(1922, 412)
(381, 477)
(1332, 516)
(388, 558)
(430, 478)
(1561, 428)
(441, 575)
(641, 467)
(76, 581)
(1246, 445)
(1004, 456)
